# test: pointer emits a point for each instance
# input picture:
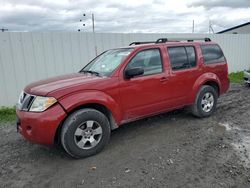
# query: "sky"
(123, 16)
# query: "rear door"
(184, 70)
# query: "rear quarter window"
(212, 54)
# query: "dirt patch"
(170, 150)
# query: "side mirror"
(132, 72)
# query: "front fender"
(206, 77)
(77, 99)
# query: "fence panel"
(27, 57)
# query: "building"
(239, 29)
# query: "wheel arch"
(210, 79)
(91, 99)
(213, 84)
(96, 106)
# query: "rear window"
(212, 54)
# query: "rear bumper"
(40, 127)
(247, 77)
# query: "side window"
(182, 57)
(212, 53)
(191, 56)
(149, 60)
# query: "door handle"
(163, 79)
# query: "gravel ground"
(170, 150)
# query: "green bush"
(7, 114)
(236, 77)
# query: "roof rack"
(164, 40)
(206, 39)
(161, 40)
(137, 43)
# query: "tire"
(202, 107)
(80, 133)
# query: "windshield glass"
(107, 62)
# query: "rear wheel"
(85, 133)
(206, 101)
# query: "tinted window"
(182, 57)
(191, 56)
(149, 60)
(212, 53)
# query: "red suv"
(122, 85)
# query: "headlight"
(42, 103)
(20, 100)
(21, 97)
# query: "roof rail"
(161, 40)
(206, 39)
(164, 40)
(137, 43)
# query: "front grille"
(26, 101)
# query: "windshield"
(107, 62)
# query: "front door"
(144, 95)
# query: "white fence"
(27, 57)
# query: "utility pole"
(93, 29)
(3, 29)
(93, 22)
(193, 27)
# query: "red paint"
(41, 127)
(127, 100)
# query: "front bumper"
(40, 127)
(247, 77)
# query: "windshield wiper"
(91, 72)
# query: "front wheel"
(85, 132)
(206, 101)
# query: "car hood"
(44, 87)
